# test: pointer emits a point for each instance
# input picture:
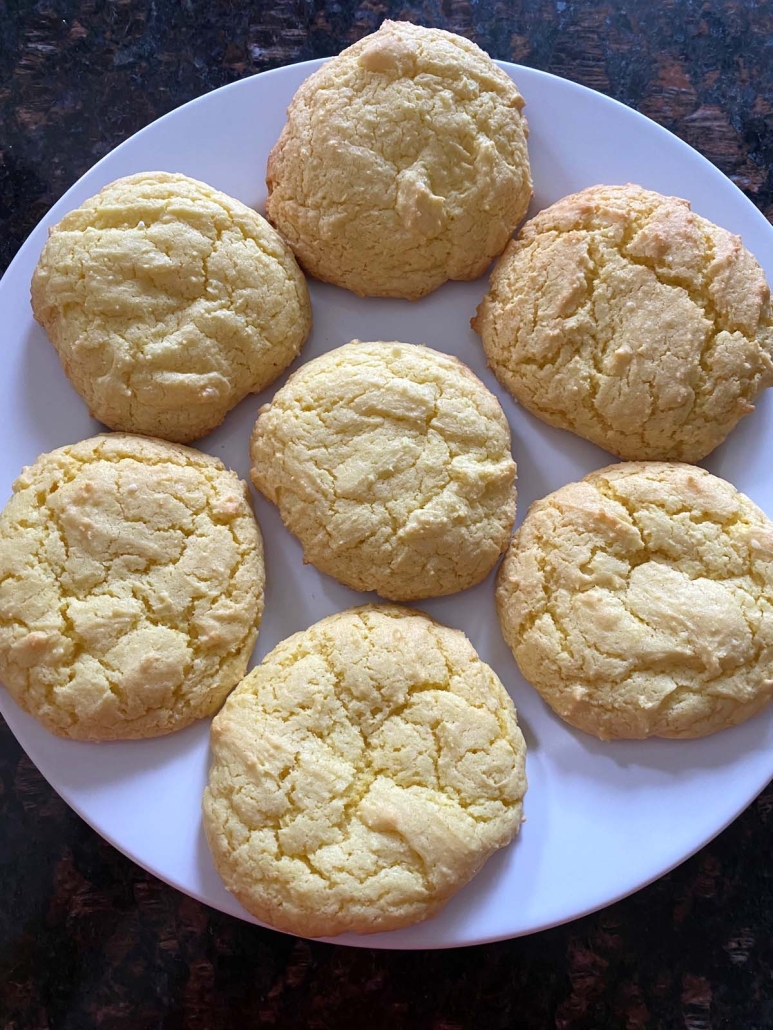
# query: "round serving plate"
(603, 819)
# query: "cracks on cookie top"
(306, 415)
(367, 770)
(747, 586)
(159, 209)
(616, 241)
(738, 518)
(509, 364)
(412, 264)
(478, 107)
(172, 303)
(605, 485)
(134, 582)
(700, 297)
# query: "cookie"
(362, 774)
(639, 602)
(391, 464)
(168, 302)
(403, 163)
(623, 316)
(131, 587)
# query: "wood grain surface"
(87, 939)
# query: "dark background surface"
(87, 939)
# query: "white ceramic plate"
(602, 819)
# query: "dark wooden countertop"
(87, 939)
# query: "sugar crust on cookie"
(639, 602)
(403, 163)
(362, 774)
(168, 302)
(391, 463)
(620, 314)
(131, 587)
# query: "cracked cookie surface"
(131, 587)
(639, 602)
(168, 302)
(623, 316)
(391, 464)
(362, 774)
(403, 163)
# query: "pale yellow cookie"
(391, 464)
(620, 314)
(639, 602)
(362, 774)
(168, 302)
(403, 163)
(131, 587)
